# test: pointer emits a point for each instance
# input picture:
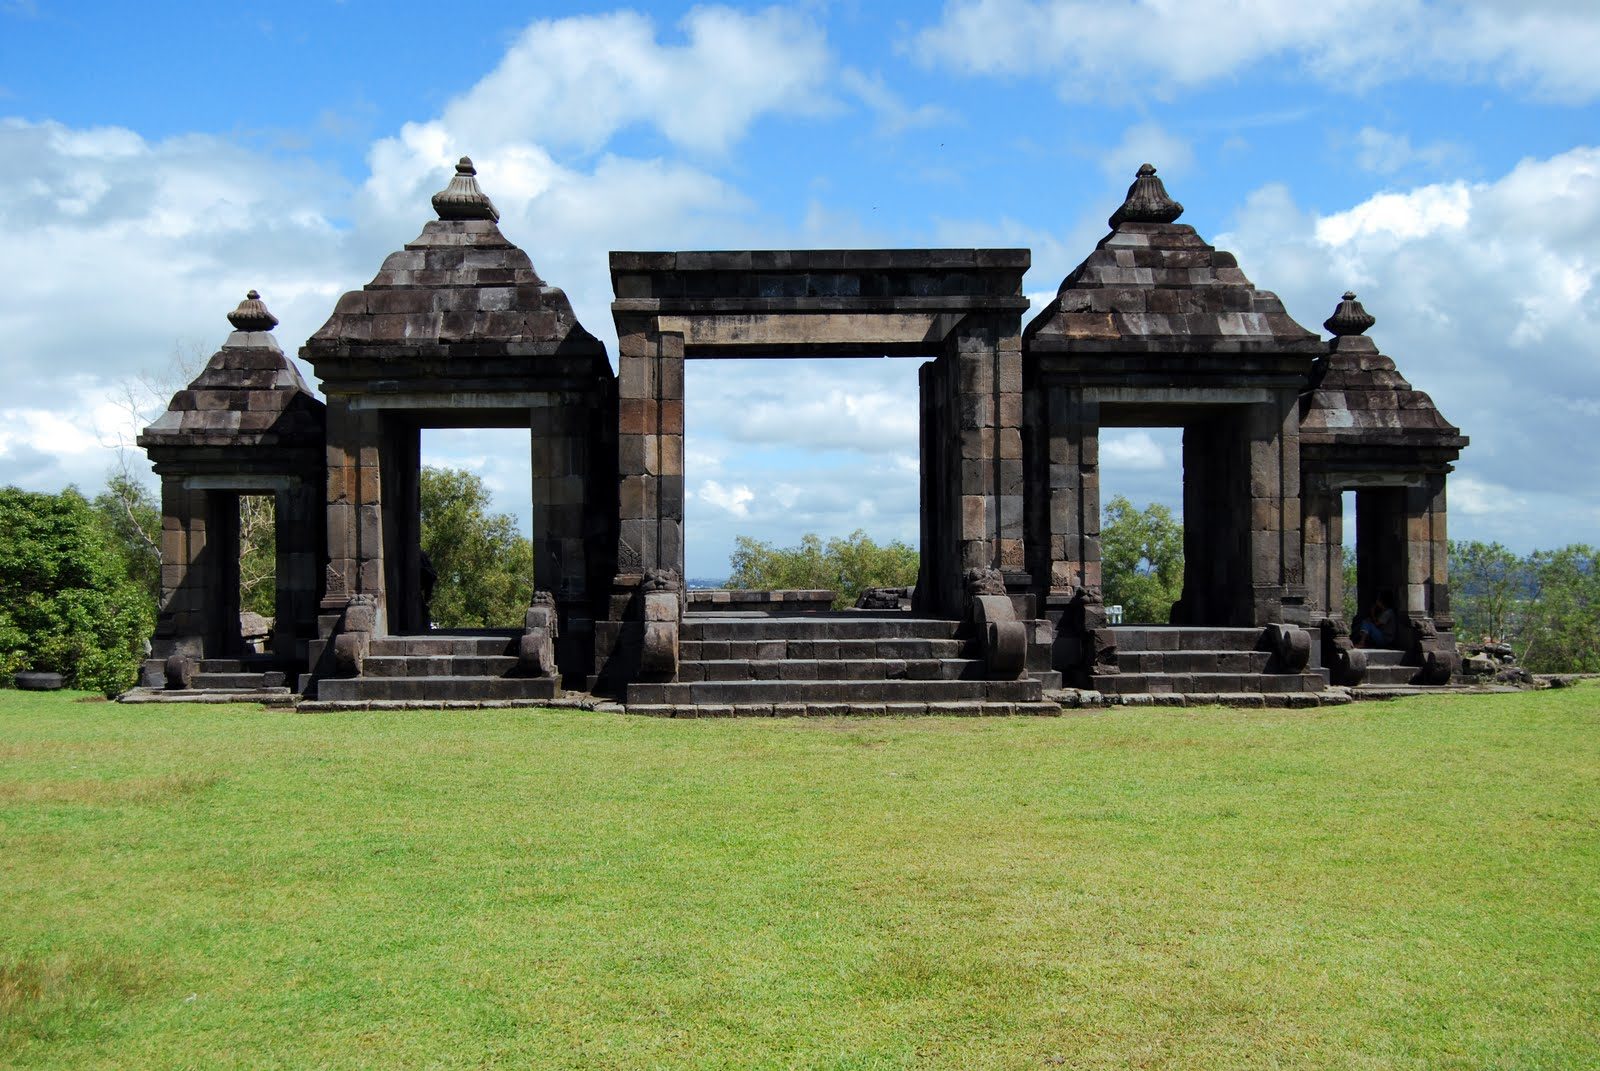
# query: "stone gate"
(1154, 328)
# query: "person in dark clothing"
(1376, 629)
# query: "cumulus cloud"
(1486, 296)
(1121, 47)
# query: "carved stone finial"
(252, 315)
(1349, 318)
(463, 199)
(1147, 201)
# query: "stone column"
(650, 451)
(299, 555)
(1277, 574)
(1322, 540)
(986, 354)
(1427, 591)
(354, 502)
(189, 588)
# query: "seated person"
(1376, 629)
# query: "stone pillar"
(1277, 574)
(1322, 541)
(650, 452)
(299, 541)
(987, 357)
(1427, 589)
(354, 502)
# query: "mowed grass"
(1404, 885)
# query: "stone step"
(237, 681)
(1389, 674)
(1383, 656)
(355, 689)
(834, 692)
(797, 669)
(843, 625)
(984, 709)
(1184, 638)
(437, 665)
(1192, 661)
(1208, 683)
(819, 649)
(435, 645)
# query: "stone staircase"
(1388, 669)
(249, 677)
(1157, 660)
(437, 667)
(837, 662)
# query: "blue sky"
(1442, 159)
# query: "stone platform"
(835, 662)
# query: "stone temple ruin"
(1154, 328)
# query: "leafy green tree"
(1141, 560)
(484, 565)
(67, 602)
(845, 566)
(1352, 590)
(258, 554)
(1561, 629)
(1489, 586)
(130, 517)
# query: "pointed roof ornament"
(252, 315)
(1349, 318)
(1147, 201)
(463, 199)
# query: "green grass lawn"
(1412, 884)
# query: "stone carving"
(1147, 201)
(354, 636)
(1349, 318)
(463, 199)
(981, 581)
(252, 315)
(180, 670)
(536, 647)
(1291, 647)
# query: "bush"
(845, 566)
(67, 603)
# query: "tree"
(1141, 560)
(845, 566)
(1352, 588)
(67, 602)
(130, 518)
(1561, 629)
(258, 554)
(484, 565)
(1488, 585)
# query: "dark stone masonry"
(1156, 328)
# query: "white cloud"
(895, 116)
(1486, 296)
(1122, 47)
(1147, 142)
(1385, 153)
(734, 499)
(1134, 450)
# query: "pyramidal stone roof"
(248, 395)
(1153, 284)
(1359, 397)
(460, 288)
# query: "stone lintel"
(243, 482)
(803, 260)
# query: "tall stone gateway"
(248, 425)
(1156, 328)
(458, 330)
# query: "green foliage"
(1561, 629)
(1141, 560)
(1488, 587)
(845, 566)
(485, 565)
(67, 601)
(130, 516)
(1352, 594)
(258, 554)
